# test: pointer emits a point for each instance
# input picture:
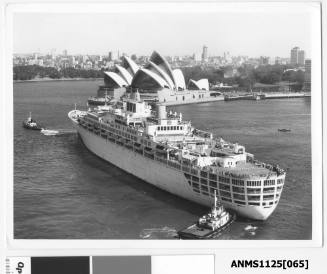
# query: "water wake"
(55, 132)
(158, 233)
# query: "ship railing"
(268, 198)
(174, 164)
(159, 159)
(186, 168)
(202, 133)
(250, 191)
(150, 156)
(268, 191)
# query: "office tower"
(301, 57)
(294, 55)
(205, 54)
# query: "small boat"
(284, 130)
(250, 228)
(30, 123)
(209, 225)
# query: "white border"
(37, 247)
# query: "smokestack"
(161, 112)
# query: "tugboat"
(209, 225)
(30, 123)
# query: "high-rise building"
(297, 56)
(307, 75)
(301, 57)
(113, 55)
(278, 60)
(65, 52)
(205, 54)
(264, 60)
(294, 55)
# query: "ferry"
(162, 149)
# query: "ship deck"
(244, 169)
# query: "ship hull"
(158, 174)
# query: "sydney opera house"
(155, 75)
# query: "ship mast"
(105, 98)
(215, 205)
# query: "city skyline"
(101, 33)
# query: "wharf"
(263, 96)
(194, 101)
(286, 95)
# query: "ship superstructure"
(162, 149)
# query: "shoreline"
(56, 80)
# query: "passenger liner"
(167, 152)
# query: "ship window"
(280, 181)
(204, 188)
(195, 185)
(224, 187)
(164, 128)
(237, 182)
(174, 127)
(203, 174)
(212, 190)
(225, 194)
(158, 128)
(227, 200)
(195, 179)
(269, 182)
(188, 176)
(238, 197)
(224, 180)
(203, 181)
(254, 198)
(181, 128)
(238, 189)
(212, 176)
(268, 197)
(240, 202)
(205, 193)
(253, 183)
(254, 204)
(196, 190)
(212, 183)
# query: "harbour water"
(63, 191)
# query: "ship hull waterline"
(158, 174)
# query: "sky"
(252, 34)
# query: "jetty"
(263, 96)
